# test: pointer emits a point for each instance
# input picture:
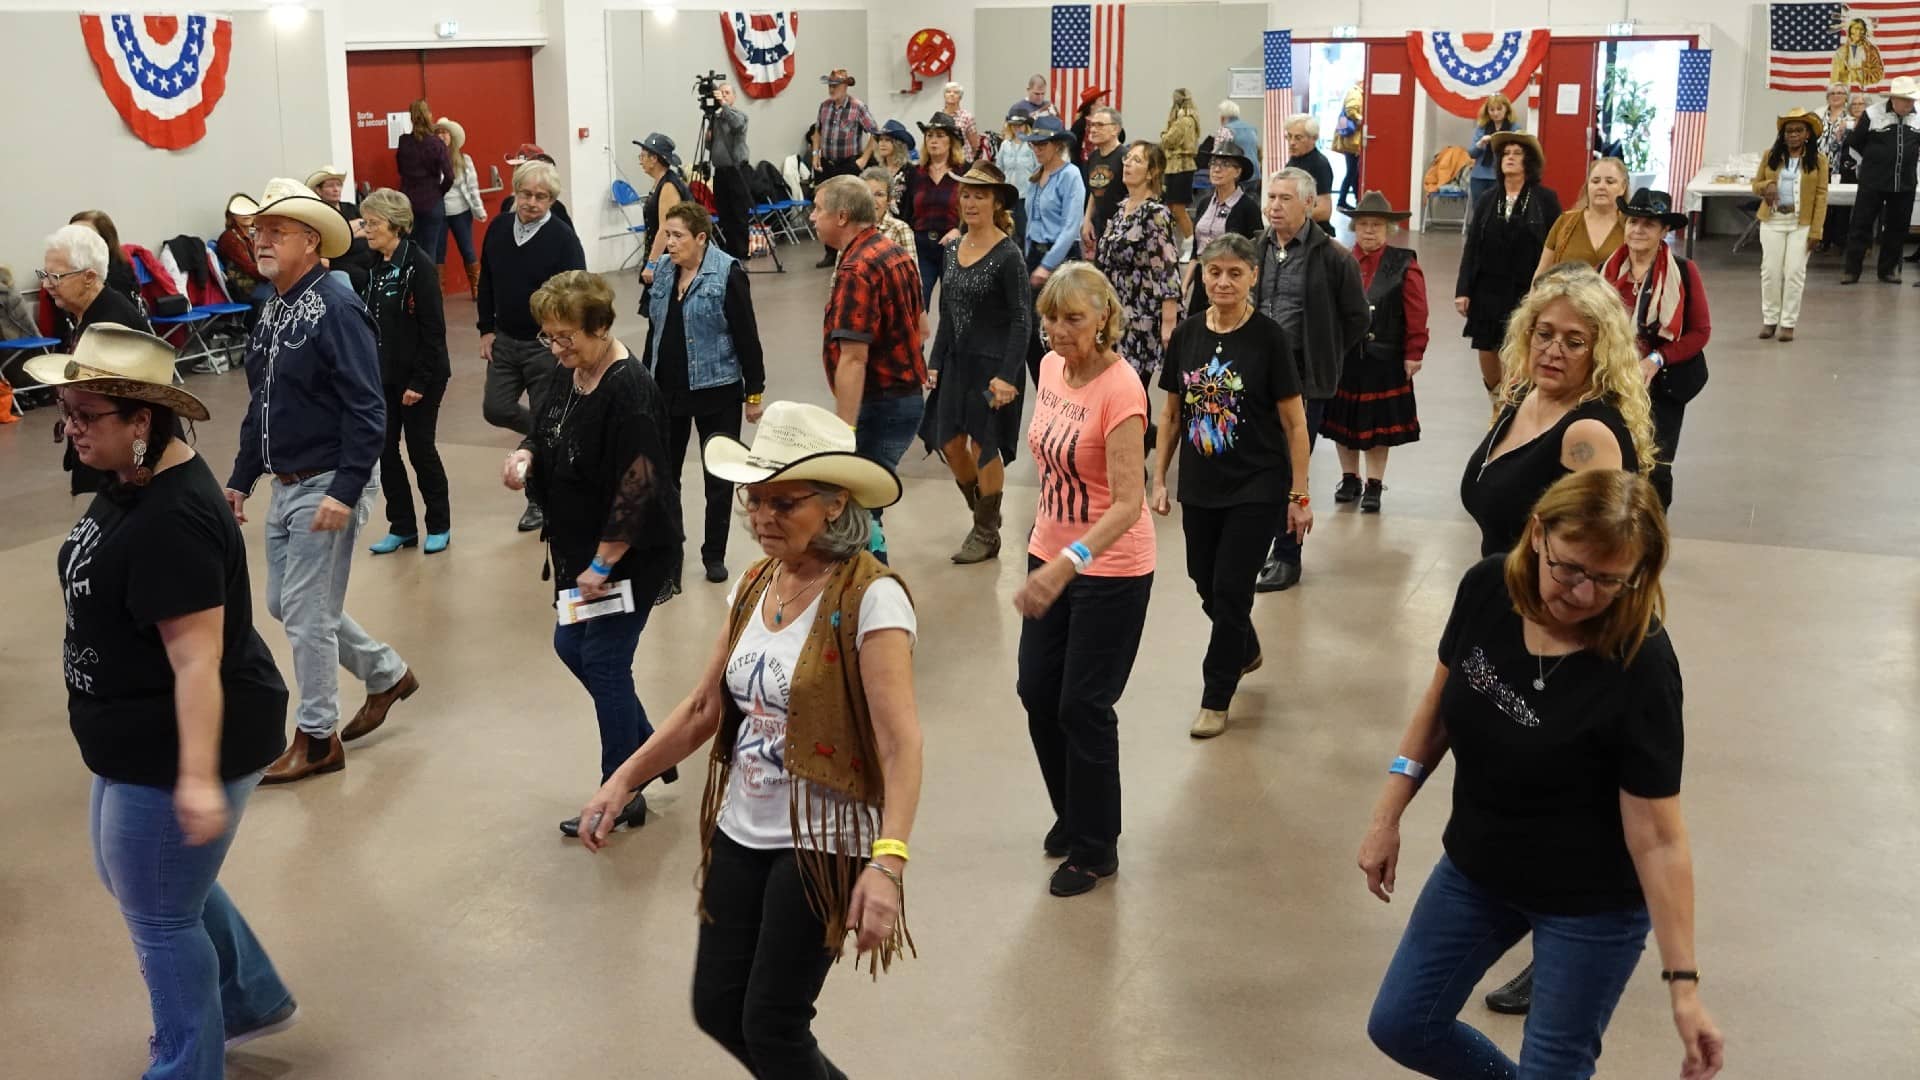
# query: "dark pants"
(933, 260)
(430, 228)
(516, 366)
(1035, 349)
(416, 422)
(719, 492)
(599, 652)
(1581, 964)
(1074, 665)
(460, 226)
(832, 167)
(735, 199)
(1285, 547)
(886, 427)
(761, 962)
(1225, 547)
(1667, 417)
(1892, 213)
(1020, 223)
(1350, 183)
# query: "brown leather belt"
(292, 478)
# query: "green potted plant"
(1629, 106)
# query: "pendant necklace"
(780, 606)
(1541, 674)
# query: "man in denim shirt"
(315, 426)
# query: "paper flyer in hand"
(617, 601)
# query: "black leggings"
(1225, 547)
(761, 963)
(713, 543)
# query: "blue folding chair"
(625, 197)
(227, 319)
(20, 350)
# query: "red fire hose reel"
(929, 56)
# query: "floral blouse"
(1140, 254)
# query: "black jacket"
(1889, 148)
(403, 296)
(1336, 317)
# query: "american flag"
(1689, 121)
(1277, 49)
(1088, 40)
(1804, 37)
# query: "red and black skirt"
(1374, 406)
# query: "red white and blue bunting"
(761, 44)
(1460, 70)
(163, 73)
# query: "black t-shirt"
(171, 549)
(1104, 187)
(1316, 165)
(1538, 773)
(1500, 493)
(1233, 448)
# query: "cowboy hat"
(897, 131)
(1526, 142)
(292, 199)
(121, 362)
(1091, 94)
(459, 133)
(794, 441)
(1374, 204)
(1800, 116)
(325, 173)
(1047, 129)
(659, 146)
(838, 77)
(528, 152)
(1018, 115)
(1905, 86)
(1658, 205)
(986, 174)
(1227, 150)
(942, 122)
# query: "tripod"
(703, 168)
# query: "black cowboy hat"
(1658, 205)
(1048, 129)
(659, 146)
(1225, 149)
(1375, 204)
(942, 122)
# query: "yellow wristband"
(890, 847)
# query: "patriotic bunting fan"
(163, 73)
(1460, 70)
(760, 44)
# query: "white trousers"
(1783, 270)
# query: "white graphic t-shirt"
(759, 675)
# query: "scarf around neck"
(1661, 307)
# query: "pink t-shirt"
(1068, 439)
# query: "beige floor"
(433, 923)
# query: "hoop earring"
(142, 476)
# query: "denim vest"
(711, 360)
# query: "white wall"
(383, 24)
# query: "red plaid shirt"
(876, 299)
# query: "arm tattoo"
(1581, 452)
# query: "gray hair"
(1113, 116)
(1305, 122)
(847, 535)
(877, 174)
(537, 174)
(81, 247)
(1232, 246)
(396, 209)
(1302, 181)
(954, 88)
(847, 195)
(1229, 110)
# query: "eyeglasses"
(83, 419)
(781, 505)
(1571, 346)
(565, 341)
(55, 279)
(278, 236)
(1572, 574)
(534, 196)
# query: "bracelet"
(1680, 976)
(890, 847)
(891, 876)
(1072, 556)
(1300, 498)
(1659, 361)
(755, 399)
(1080, 549)
(1409, 768)
(600, 568)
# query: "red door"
(1566, 137)
(488, 91)
(1386, 162)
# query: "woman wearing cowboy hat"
(661, 164)
(1668, 304)
(1054, 216)
(1373, 411)
(893, 146)
(931, 204)
(813, 777)
(975, 370)
(1225, 208)
(1792, 185)
(462, 203)
(1504, 237)
(1015, 159)
(172, 695)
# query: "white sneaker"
(1208, 722)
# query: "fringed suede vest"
(830, 744)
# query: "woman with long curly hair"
(1504, 238)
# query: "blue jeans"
(307, 592)
(599, 652)
(1285, 547)
(933, 261)
(461, 226)
(206, 974)
(430, 229)
(886, 427)
(1581, 964)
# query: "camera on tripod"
(707, 88)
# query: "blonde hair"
(1626, 181)
(395, 208)
(575, 297)
(1613, 374)
(1080, 285)
(1489, 102)
(1619, 513)
(1183, 106)
(537, 174)
(456, 144)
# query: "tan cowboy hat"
(325, 173)
(1812, 120)
(1375, 204)
(121, 362)
(292, 199)
(459, 133)
(984, 173)
(1526, 142)
(1905, 86)
(802, 442)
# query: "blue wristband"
(600, 568)
(1081, 549)
(1408, 768)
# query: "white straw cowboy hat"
(121, 362)
(325, 173)
(1905, 86)
(292, 199)
(802, 442)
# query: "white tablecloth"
(1704, 188)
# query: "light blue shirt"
(1054, 213)
(1018, 164)
(523, 232)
